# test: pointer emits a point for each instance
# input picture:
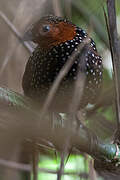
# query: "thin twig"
(115, 52)
(77, 94)
(86, 12)
(57, 7)
(63, 155)
(68, 8)
(15, 32)
(61, 75)
(25, 115)
(61, 170)
(35, 158)
(27, 167)
(79, 83)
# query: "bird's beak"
(28, 36)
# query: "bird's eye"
(46, 28)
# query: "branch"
(115, 52)
(15, 32)
(19, 114)
(28, 168)
(57, 7)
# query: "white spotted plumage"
(44, 66)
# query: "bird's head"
(50, 31)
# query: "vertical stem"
(35, 162)
(60, 172)
(57, 7)
(115, 51)
(15, 32)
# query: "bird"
(56, 39)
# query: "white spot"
(76, 49)
(93, 55)
(67, 53)
(89, 52)
(66, 43)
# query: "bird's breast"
(43, 67)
